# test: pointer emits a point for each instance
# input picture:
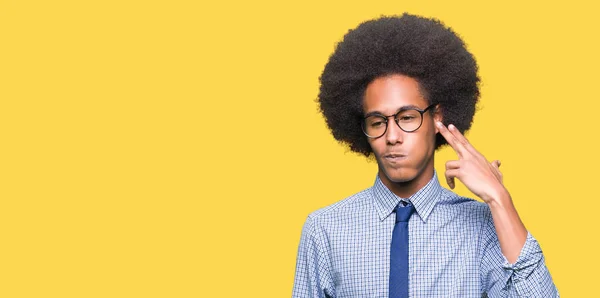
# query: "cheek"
(420, 145)
(377, 146)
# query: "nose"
(394, 134)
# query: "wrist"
(498, 197)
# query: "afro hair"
(417, 47)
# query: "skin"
(405, 175)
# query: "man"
(396, 89)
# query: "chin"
(401, 175)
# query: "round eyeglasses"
(408, 119)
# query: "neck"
(405, 189)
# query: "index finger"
(451, 139)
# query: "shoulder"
(348, 207)
(469, 207)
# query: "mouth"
(394, 157)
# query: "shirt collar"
(424, 200)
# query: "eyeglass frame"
(396, 120)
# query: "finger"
(496, 163)
(496, 170)
(450, 138)
(450, 175)
(452, 164)
(460, 138)
(498, 175)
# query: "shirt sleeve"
(527, 277)
(313, 266)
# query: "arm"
(506, 243)
(527, 276)
(313, 275)
(511, 231)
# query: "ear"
(437, 116)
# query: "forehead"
(389, 93)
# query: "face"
(405, 159)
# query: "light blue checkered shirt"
(453, 249)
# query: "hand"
(481, 177)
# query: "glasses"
(408, 119)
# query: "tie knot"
(404, 213)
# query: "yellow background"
(174, 149)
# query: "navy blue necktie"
(399, 253)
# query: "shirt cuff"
(527, 262)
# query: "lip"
(394, 157)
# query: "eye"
(376, 121)
(377, 124)
(406, 118)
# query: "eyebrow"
(403, 108)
